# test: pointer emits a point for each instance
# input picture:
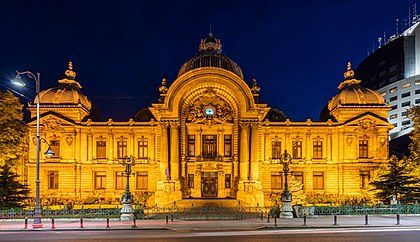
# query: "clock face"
(209, 111)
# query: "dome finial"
(348, 77)
(70, 77)
(349, 74)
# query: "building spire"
(348, 77)
(70, 77)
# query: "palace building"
(208, 136)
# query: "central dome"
(210, 55)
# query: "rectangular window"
(417, 101)
(142, 149)
(191, 145)
(55, 147)
(407, 94)
(120, 181)
(393, 116)
(393, 98)
(53, 180)
(364, 179)
(394, 107)
(228, 145)
(318, 179)
(406, 122)
(418, 82)
(363, 148)
(227, 181)
(100, 180)
(276, 149)
(405, 104)
(121, 149)
(190, 180)
(317, 150)
(383, 94)
(101, 149)
(417, 91)
(142, 180)
(298, 176)
(404, 114)
(209, 146)
(395, 125)
(392, 90)
(406, 85)
(297, 149)
(276, 180)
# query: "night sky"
(121, 50)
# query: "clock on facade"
(209, 111)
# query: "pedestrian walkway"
(338, 221)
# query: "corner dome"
(67, 93)
(351, 93)
(210, 55)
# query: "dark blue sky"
(297, 50)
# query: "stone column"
(174, 151)
(164, 150)
(254, 152)
(90, 147)
(110, 151)
(244, 152)
(329, 145)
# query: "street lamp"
(286, 196)
(127, 211)
(18, 81)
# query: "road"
(325, 234)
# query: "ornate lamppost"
(286, 196)
(18, 81)
(127, 211)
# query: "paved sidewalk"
(346, 221)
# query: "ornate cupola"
(210, 55)
(66, 99)
(353, 98)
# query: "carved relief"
(69, 140)
(349, 140)
(209, 106)
(52, 124)
(366, 126)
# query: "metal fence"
(360, 210)
(173, 212)
(204, 213)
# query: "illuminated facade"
(208, 136)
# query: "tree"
(12, 129)
(395, 178)
(12, 193)
(298, 195)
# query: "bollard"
(134, 222)
(335, 220)
(268, 218)
(26, 222)
(304, 220)
(172, 217)
(81, 223)
(366, 219)
(262, 216)
(167, 218)
(107, 222)
(52, 224)
(275, 220)
(398, 219)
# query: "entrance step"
(207, 202)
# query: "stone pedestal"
(127, 211)
(286, 210)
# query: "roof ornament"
(255, 88)
(163, 89)
(210, 44)
(210, 33)
(70, 77)
(348, 78)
